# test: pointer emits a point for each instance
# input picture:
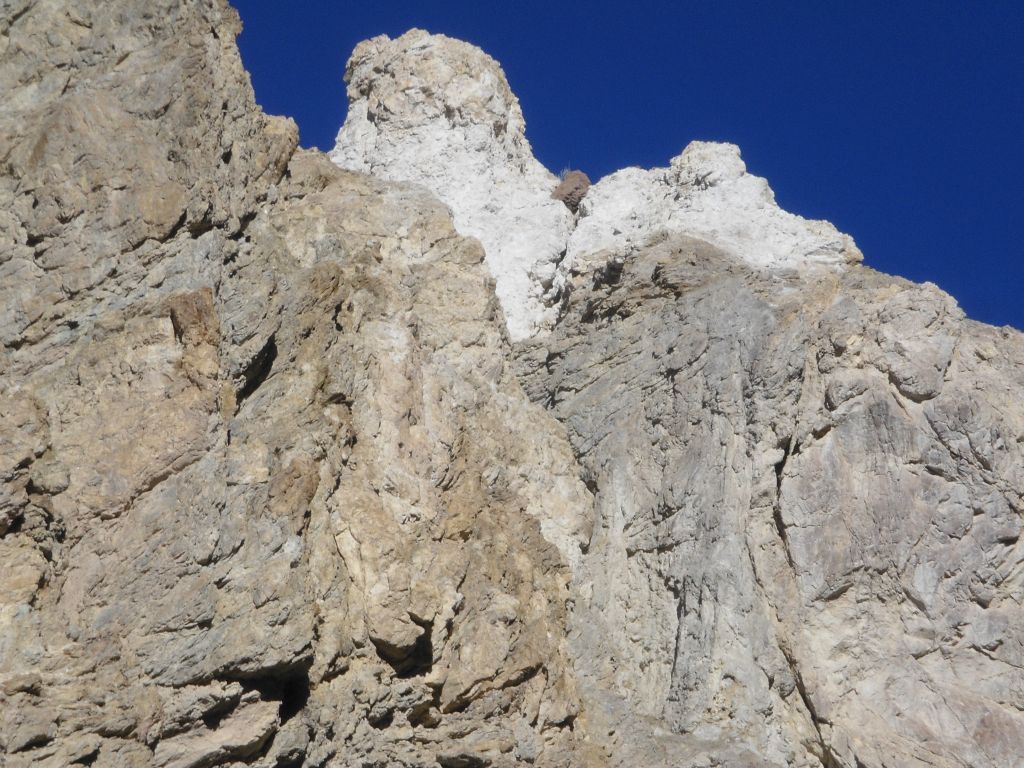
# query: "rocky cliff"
(407, 462)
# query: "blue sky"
(900, 122)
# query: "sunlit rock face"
(707, 193)
(434, 459)
(439, 112)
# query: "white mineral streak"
(439, 112)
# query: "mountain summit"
(421, 458)
(439, 112)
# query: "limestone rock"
(706, 192)
(807, 533)
(238, 737)
(272, 493)
(439, 112)
(277, 489)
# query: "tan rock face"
(277, 490)
(271, 490)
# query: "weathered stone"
(439, 112)
(277, 489)
(572, 189)
(805, 532)
(238, 737)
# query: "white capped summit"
(439, 112)
(706, 193)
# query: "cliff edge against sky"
(397, 460)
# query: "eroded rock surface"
(808, 499)
(439, 112)
(272, 494)
(706, 192)
(276, 489)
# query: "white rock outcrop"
(439, 112)
(706, 193)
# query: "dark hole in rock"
(17, 524)
(200, 226)
(215, 717)
(410, 662)
(382, 720)
(463, 760)
(35, 741)
(610, 273)
(294, 695)
(780, 465)
(427, 713)
(89, 759)
(289, 686)
(259, 369)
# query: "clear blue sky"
(900, 122)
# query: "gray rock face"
(276, 489)
(808, 510)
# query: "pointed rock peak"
(419, 78)
(708, 163)
(437, 111)
(429, 109)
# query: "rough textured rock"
(439, 112)
(808, 510)
(271, 491)
(276, 489)
(572, 189)
(707, 193)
